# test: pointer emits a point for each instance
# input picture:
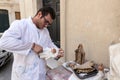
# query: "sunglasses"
(47, 22)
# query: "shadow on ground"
(5, 70)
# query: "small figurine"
(80, 55)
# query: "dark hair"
(47, 10)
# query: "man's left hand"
(60, 53)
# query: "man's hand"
(53, 50)
(60, 54)
(37, 48)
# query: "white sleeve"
(11, 40)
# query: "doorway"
(4, 20)
(54, 29)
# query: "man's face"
(44, 21)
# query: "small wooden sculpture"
(80, 55)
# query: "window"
(4, 20)
(17, 15)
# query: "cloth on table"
(99, 76)
(59, 73)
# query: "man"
(27, 38)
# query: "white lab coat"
(18, 39)
(114, 51)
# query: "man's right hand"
(37, 48)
